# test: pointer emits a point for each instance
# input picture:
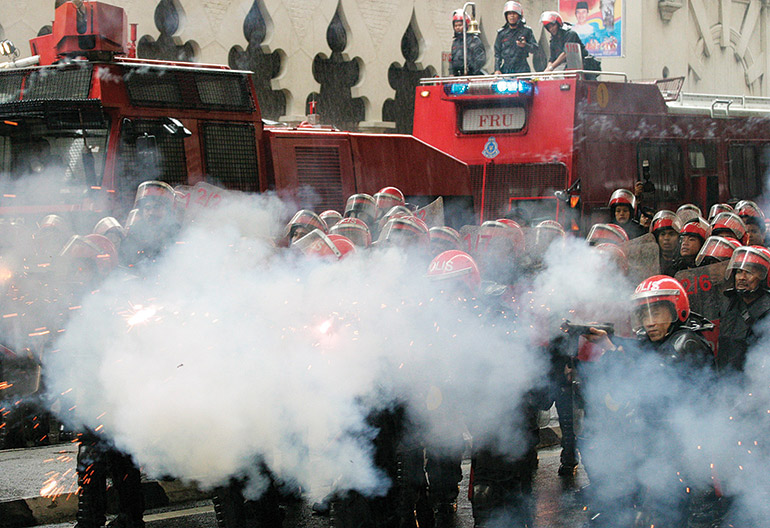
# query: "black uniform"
(96, 459)
(502, 482)
(509, 57)
(477, 55)
(738, 327)
(563, 36)
(623, 499)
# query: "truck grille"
(319, 177)
(231, 155)
(194, 90)
(46, 83)
(523, 180)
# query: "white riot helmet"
(512, 6)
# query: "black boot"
(127, 481)
(92, 481)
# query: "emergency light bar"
(517, 87)
(512, 86)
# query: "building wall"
(720, 46)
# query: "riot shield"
(643, 256)
(433, 213)
(191, 200)
(705, 287)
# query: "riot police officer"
(514, 42)
(463, 40)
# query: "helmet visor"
(748, 260)
(655, 316)
(357, 234)
(716, 247)
(317, 243)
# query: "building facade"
(359, 60)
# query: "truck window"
(28, 151)
(703, 155)
(172, 165)
(747, 168)
(230, 151)
(666, 168)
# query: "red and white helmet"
(319, 244)
(698, 227)
(155, 190)
(456, 267)
(551, 17)
(361, 206)
(403, 231)
(388, 197)
(330, 217)
(749, 208)
(615, 253)
(109, 224)
(606, 233)
(305, 219)
(663, 220)
(53, 221)
(107, 259)
(663, 289)
(443, 238)
(716, 249)
(96, 249)
(345, 246)
(458, 15)
(687, 212)
(622, 197)
(354, 229)
(750, 213)
(512, 6)
(730, 224)
(504, 227)
(750, 258)
(719, 208)
(547, 231)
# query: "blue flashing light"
(514, 86)
(456, 88)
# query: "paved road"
(557, 506)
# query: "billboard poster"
(598, 22)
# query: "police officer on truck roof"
(514, 41)
(560, 36)
(477, 55)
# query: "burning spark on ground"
(49, 486)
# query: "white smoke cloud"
(232, 351)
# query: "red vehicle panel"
(699, 148)
(98, 122)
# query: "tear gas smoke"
(235, 352)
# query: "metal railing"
(720, 105)
(534, 76)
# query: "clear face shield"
(754, 271)
(318, 244)
(544, 237)
(655, 317)
(356, 234)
